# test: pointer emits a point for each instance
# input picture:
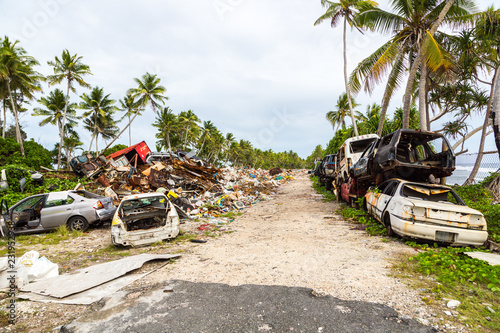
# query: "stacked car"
(401, 177)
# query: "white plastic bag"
(29, 258)
(42, 269)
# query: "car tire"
(387, 222)
(78, 223)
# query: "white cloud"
(234, 62)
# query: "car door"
(384, 197)
(27, 211)
(57, 209)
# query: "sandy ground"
(296, 239)
(293, 239)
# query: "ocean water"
(465, 164)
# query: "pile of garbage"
(197, 188)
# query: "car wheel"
(387, 222)
(78, 223)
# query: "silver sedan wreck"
(144, 219)
(425, 211)
(47, 211)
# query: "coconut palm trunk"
(346, 80)
(416, 64)
(480, 153)
(422, 93)
(4, 119)
(495, 111)
(61, 141)
(119, 134)
(19, 137)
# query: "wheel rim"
(77, 224)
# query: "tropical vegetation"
(96, 112)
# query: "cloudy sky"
(259, 69)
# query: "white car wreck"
(144, 219)
(425, 211)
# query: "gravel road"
(297, 240)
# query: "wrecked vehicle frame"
(426, 211)
(144, 219)
(408, 154)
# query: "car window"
(383, 186)
(157, 202)
(386, 140)
(28, 203)
(59, 202)
(391, 188)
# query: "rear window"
(360, 145)
(156, 202)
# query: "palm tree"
(230, 139)
(189, 121)
(101, 108)
(206, 131)
(488, 32)
(53, 111)
(130, 107)
(70, 68)
(166, 122)
(369, 121)
(17, 73)
(102, 124)
(148, 91)
(413, 24)
(337, 117)
(346, 9)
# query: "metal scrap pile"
(196, 187)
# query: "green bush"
(477, 196)
(35, 154)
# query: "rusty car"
(144, 219)
(426, 211)
(326, 171)
(416, 155)
(42, 212)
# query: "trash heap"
(197, 188)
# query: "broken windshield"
(432, 193)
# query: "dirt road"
(295, 239)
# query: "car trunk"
(435, 206)
(144, 218)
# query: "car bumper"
(454, 236)
(105, 214)
(142, 237)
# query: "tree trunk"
(168, 141)
(347, 90)
(495, 111)
(61, 141)
(479, 158)
(416, 65)
(91, 142)
(421, 96)
(129, 132)
(18, 130)
(4, 119)
(119, 134)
